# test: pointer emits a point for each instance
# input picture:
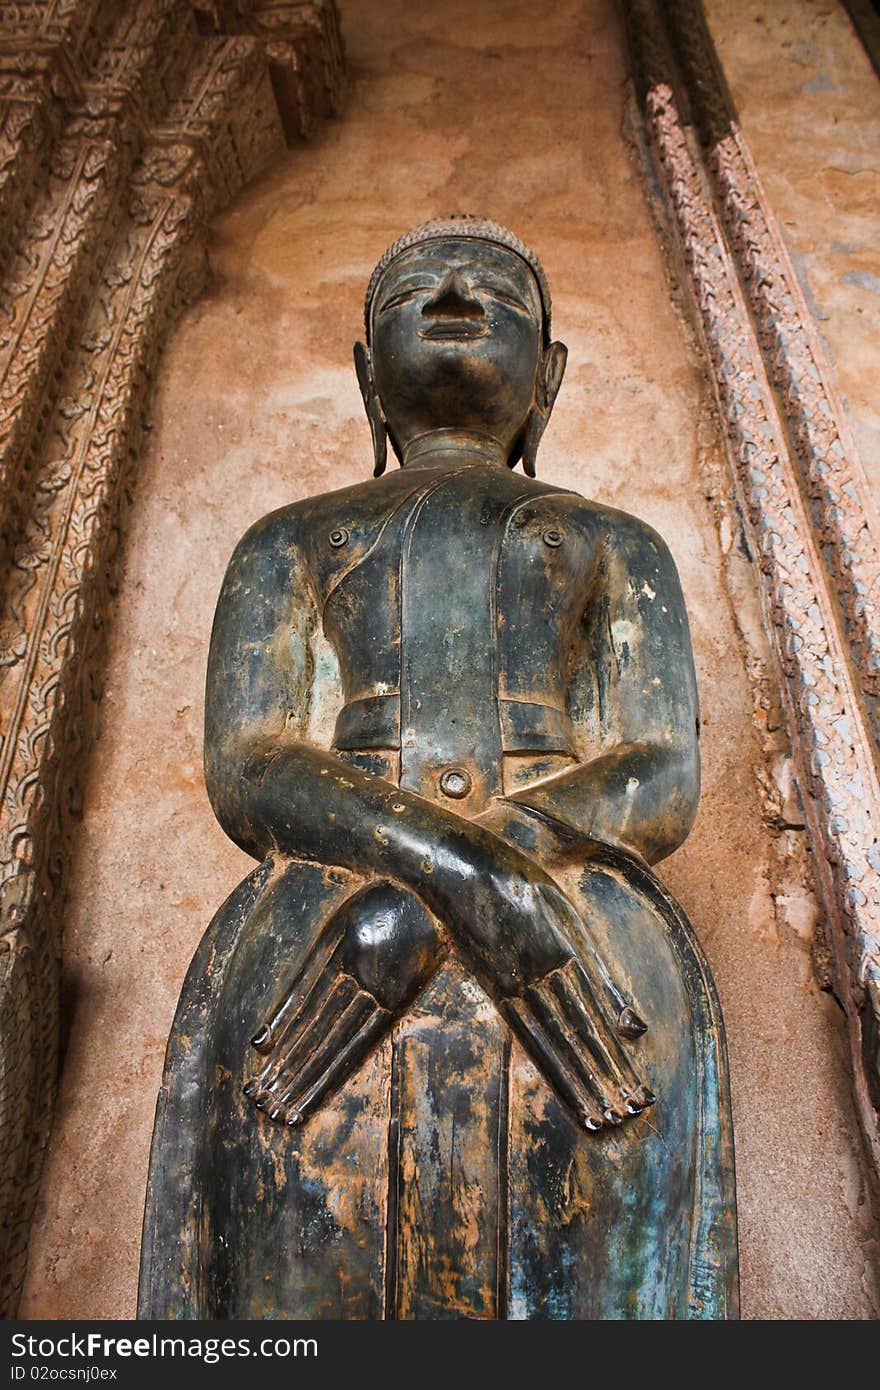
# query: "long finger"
(534, 1039)
(628, 1022)
(601, 1084)
(316, 1023)
(318, 1048)
(289, 1008)
(361, 1034)
(326, 1003)
(572, 988)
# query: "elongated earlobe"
(378, 427)
(550, 374)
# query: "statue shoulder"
(621, 533)
(269, 547)
(301, 538)
(299, 522)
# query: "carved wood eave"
(124, 124)
(799, 482)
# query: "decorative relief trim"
(832, 476)
(790, 518)
(110, 176)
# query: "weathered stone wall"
(451, 107)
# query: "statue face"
(456, 340)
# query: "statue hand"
(559, 1002)
(371, 960)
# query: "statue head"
(457, 319)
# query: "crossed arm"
(634, 699)
(273, 790)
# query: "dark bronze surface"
(451, 1050)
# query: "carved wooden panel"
(123, 126)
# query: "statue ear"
(378, 427)
(550, 374)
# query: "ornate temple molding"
(124, 125)
(799, 483)
(831, 475)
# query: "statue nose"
(454, 300)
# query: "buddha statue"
(451, 1050)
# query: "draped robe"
(477, 622)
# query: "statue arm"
(272, 790)
(636, 689)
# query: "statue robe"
(445, 1179)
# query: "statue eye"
(404, 296)
(504, 298)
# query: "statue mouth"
(454, 330)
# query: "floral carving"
(122, 127)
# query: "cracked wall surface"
(257, 405)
